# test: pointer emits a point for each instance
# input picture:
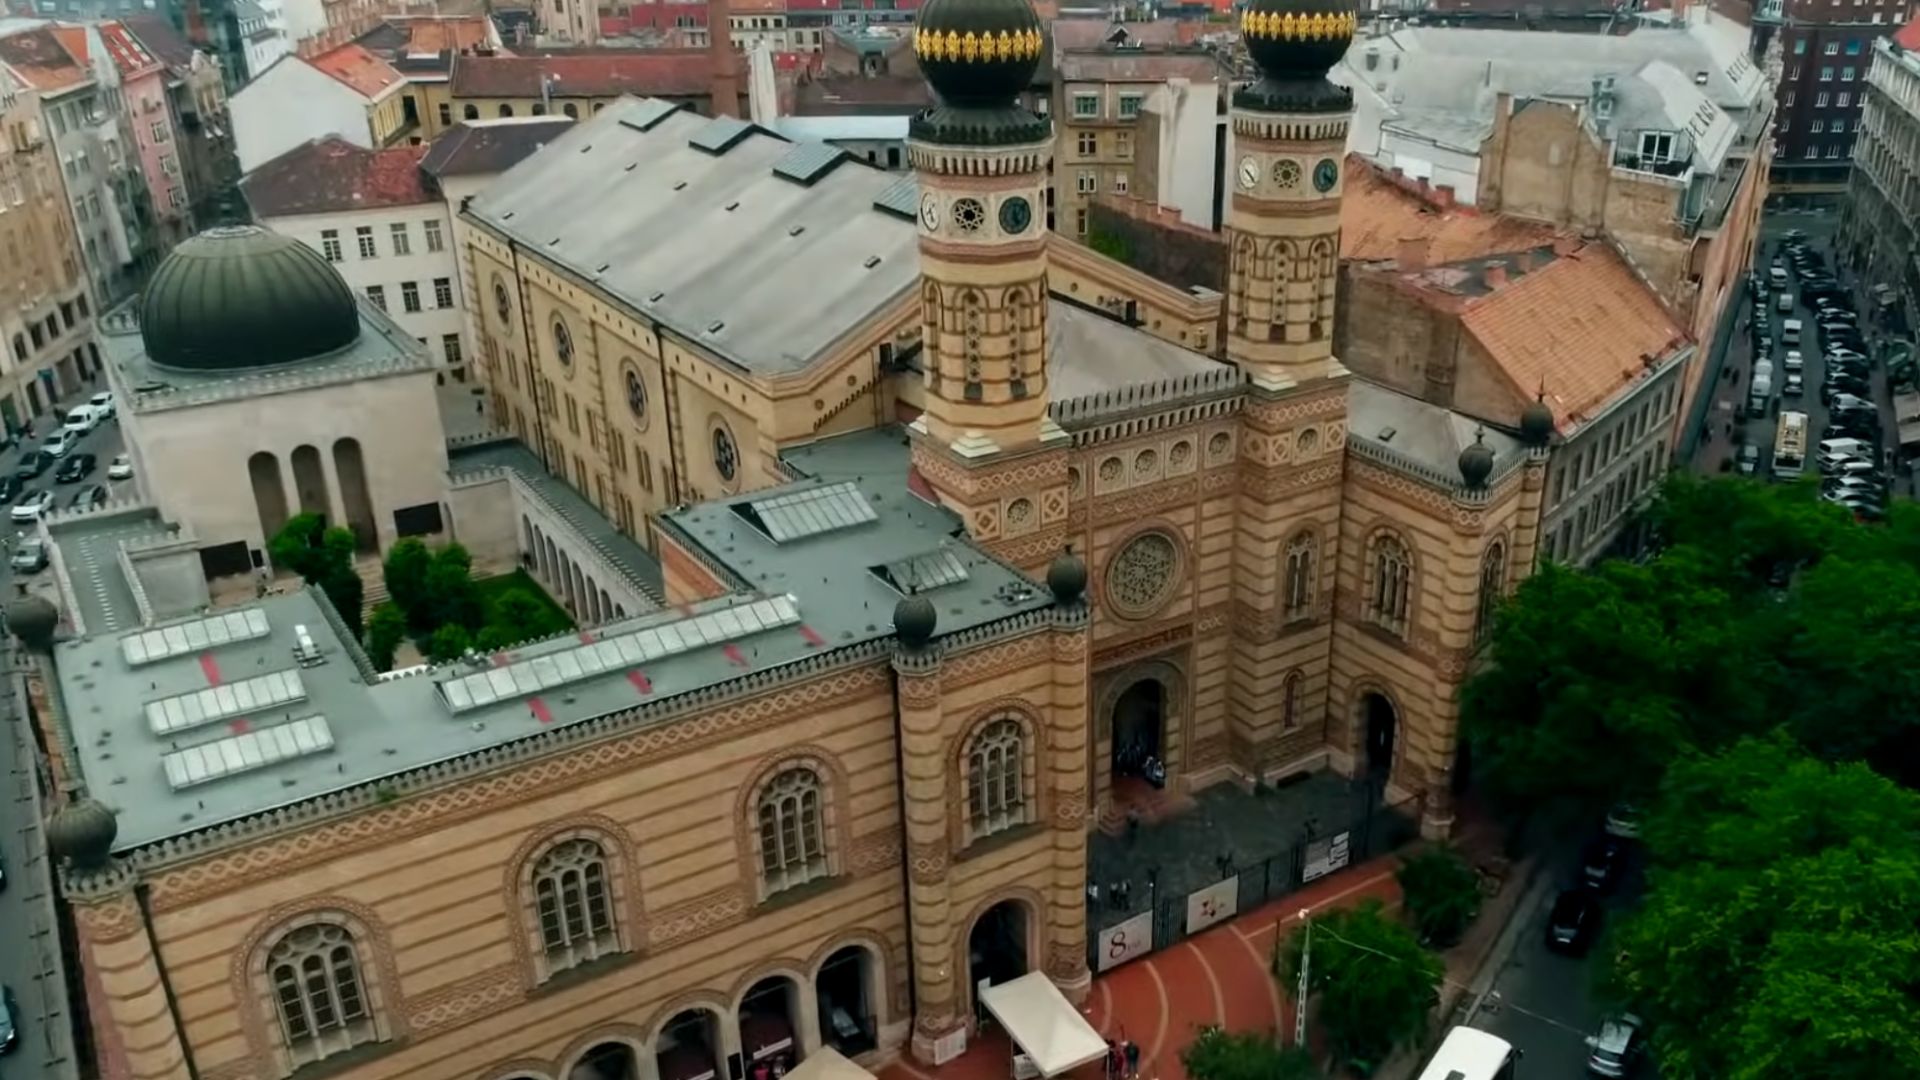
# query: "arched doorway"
(686, 1047)
(350, 472)
(310, 481)
(607, 1061)
(1139, 725)
(1381, 722)
(770, 1026)
(269, 493)
(997, 947)
(848, 989)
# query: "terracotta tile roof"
(1908, 36)
(74, 40)
(1378, 212)
(358, 70)
(39, 59)
(452, 34)
(129, 55)
(600, 73)
(1583, 326)
(330, 175)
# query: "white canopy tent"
(827, 1063)
(1043, 1023)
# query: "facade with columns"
(849, 771)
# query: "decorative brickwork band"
(929, 861)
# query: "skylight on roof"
(809, 512)
(808, 162)
(247, 752)
(166, 642)
(720, 134)
(525, 678)
(921, 573)
(217, 703)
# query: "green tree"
(1778, 936)
(1441, 893)
(522, 617)
(449, 594)
(1847, 636)
(386, 629)
(1215, 1054)
(322, 557)
(449, 643)
(1374, 980)
(296, 548)
(405, 573)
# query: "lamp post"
(1300, 992)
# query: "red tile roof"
(41, 61)
(601, 73)
(1379, 210)
(358, 70)
(331, 175)
(1908, 36)
(129, 55)
(437, 34)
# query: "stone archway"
(606, 1061)
(1144, 705)
(689, 1045)
(1380, 735)
(310, 482)
(770, 1018)
(851, 990)
(999, 946)
(356, 501)
(269, 493)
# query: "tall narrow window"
(1493, 576)
(1290, 700)
(1299, 576)
(793, 849)
(996, 795)
(573, 901)
(1390, 594)
(318, 992)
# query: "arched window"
(573, 899)
(793, 847)
(506, 110)
(1389, 597)
(1493, 580)
(471, 112)
(572, 110)
(996, 778)
(1299, 577)
(973, 324)
(539, 109)
(318, 993)
(1290, 700)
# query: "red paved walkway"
(1221, 976)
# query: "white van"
(1778, 276)
(1833, 449)
(1790, 332)
(83, 418)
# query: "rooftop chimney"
(1495, 276)
(724, 65)
(1443, 196)
(1413, 252)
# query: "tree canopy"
(1215, 1054)
(323, 557)
(1778, 937)
(1374, 981)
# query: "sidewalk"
(1221, 976)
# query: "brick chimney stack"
(722, 61)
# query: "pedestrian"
(1112, 1061)
(1133, 1060)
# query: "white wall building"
(384, 226)
(263, 35)
(346, 91)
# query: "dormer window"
(1656, 146)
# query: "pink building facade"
(143, 84)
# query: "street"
(103, 442)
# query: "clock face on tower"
(1015, 215)
(930, 213)
(1286, 173)
(1249, 173)
(1325, 175)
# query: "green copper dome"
(244, 297)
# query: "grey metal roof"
(718, 236)
(168, 767)
(1089, 353)
(1407, 431)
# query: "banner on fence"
(1218, 901)
(1326, 856)
(1123, 941)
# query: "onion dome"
(978, 55)
(1536, 422)
(1067, 578)
(1476, 462)
(33, 620)
(82, 832)
(914, 620)
(1295, 43)
(245, 297)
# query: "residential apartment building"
(143, 90)
(1825, 48)
(382, 222)
(79, 88)
(1882, 210)
(197, 104)
(262, 35)
(711, 81)
(46, 321)
(422, 49)
(346, 91)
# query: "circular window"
(1110, 469)
(1074, 480)
(636, 388)
(1145, 462)
(563, 343)
(726, 455)
(1020, 513)
(969, 214)
(502, 300)
(1179, 454)
(1142, 576)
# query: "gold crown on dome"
(1288, 26)
(984, 47)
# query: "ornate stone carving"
(928, 861)
(464, 1000)
(1142, 577)
(876, 851)
(1070, 809)
(723, 907)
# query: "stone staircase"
(1151, 805)
(373, 584)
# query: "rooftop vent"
(796, 230)
(680, 186)
(656, 297)
(304, 649)
(871, 262)
(732, 206)
(716, 326)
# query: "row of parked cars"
(1849, 454)
(23, 489)
(1574, 924)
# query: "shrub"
(1245, 1055)
(449, 643)
(386, 629)
(1441, 893)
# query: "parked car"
(121, 469)
(89, 497)
(60, 443)
(75, 468)
(82, 419)
(1603, 862)
(102, 403)
(1851, 401)
(1618, 1046)
(9, 1021)
(31, 505)
(1794, 361)
(1783, 303)
(1750, 458)
(1574, 922)
(9, 489)
(1624, 821)
(32, 464)
(30, 557)
(1794, 385)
